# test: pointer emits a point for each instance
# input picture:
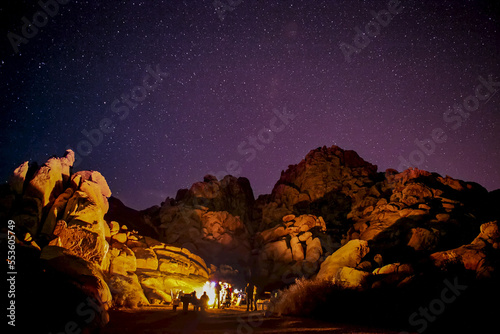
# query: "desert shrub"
(390, 307)
(303, 298)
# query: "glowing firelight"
(209, 288)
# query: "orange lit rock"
(122, 260)
(297, 249)
(156, 296)
(56, 212)
(489, 234)
(127, 290)
(422, 239)
(97, 178)
(146, 258)
(16, 180)
(47, 183)
(349, 255)
(351, 278)
(119, 237)
(394, 268)
(85, 274)
(81, 242)
(314, 250)
(114, 227)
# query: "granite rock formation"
(331, 217)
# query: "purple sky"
(220, 85)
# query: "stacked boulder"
(212, 218)
(327, 176)
(481, 256)
(143, 271)
(417, 209)
(292, 249)
(60, 229)
(59, 221)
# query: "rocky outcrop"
(292, 249)
(417, 208)
(230, 194)
(222, 238)
(142, 271)
(59, 222)
(480, 256)
(325, 175)
(214, 218)
(332, 216)
(59, 217)
(349, 255)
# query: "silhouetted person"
(177, 300)
(204, 301)
(185, 299)
(249, 293)
(195, 301)
(255, 296)
(217, 288)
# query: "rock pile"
(60, 225)
(332, 216)
(211, 219)
(143, 271)
(59, 216)
(292, 249)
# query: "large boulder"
(81, 242)
(47, 182)
(349, 255)
(127, 290)
(351, 278)
(480, 256)
(84, 274)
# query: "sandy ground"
(159, 320)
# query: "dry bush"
(303, 298)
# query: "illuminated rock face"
(62, 216)
(142, 271)
(218, 236)
(476, 256)
(306, 187)
(403, 217)
(349, 255)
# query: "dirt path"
(162, 320)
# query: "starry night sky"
(227, 73)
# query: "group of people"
(200, 304)
(223, 298)
(224, 294)
(251, 292)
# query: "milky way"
(157, 94)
